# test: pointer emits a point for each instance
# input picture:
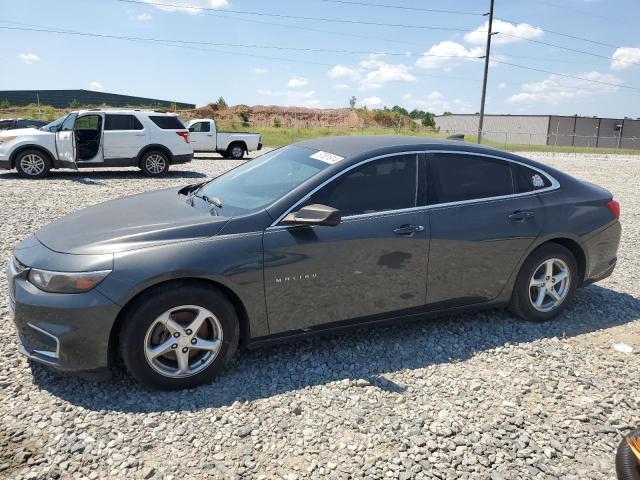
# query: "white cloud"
(625, 57)
(29, 58)
(288, 93)
(342, 71)
(522, 30)
(95, 86)
(372, 101)
(386, 73)
(143, 17)
(502, 85)
(296, 82)
(293, 97)
(259, 71)
(372, 72)
(556, 89)
(341, 86)
(189, 6)
(435, 102)
(446, 55)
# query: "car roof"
(126, 111)
(354, 145)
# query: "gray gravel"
(468, 396)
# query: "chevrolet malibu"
(318, 236)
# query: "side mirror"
(314, 215)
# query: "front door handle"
(519, 215)
(408, 229)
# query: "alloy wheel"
(549, 285)
(155, 163)
(236, 152)
(32, 164)
(183, 341)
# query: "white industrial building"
(546, 130)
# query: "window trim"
(107, 115)
(554, 186)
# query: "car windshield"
(53, 126)
(258, 183)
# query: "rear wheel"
(179, 337)
(546, 283)
(235, 151)
(33, 164)
(154, 163)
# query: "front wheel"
(33, 164)
(179, 337)
(546, 283)
(154, 164)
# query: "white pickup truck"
(204, 137)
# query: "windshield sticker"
(537, 181)
(326, 157)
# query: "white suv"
(150, 140)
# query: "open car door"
(66, 142)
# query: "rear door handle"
(519, 215)
(408, 229)
(141, 134)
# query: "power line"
(300, 17)
(187, 44)
(582, 12)
(555, 45)
(568, 76)
(566, 35)
(400, 7)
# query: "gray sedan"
(318, 236)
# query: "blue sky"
(200, 72)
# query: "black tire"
(627, 465)
(149, 306)
(236, 151)
(154, 163)
(521, 303)
(33, 163)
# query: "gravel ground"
(469, 396)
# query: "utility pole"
(486, 72)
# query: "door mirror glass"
(314, 215)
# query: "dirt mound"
(269, 115)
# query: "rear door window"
(459, 177)
(167, 122)
(6, 124)
(377, 186)
(529, 180)
(122, 122)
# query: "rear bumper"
(186, 158)
(602, 251)
(5, 163)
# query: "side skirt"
(373, 321)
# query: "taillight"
(184, 135)
(614, 208)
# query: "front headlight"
(66, 282)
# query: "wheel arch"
(242, 143)
(238, 305)
(22, 148)
(576, 250)
(154, 146)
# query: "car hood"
(20, 132)
(139, 221)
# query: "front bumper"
(69, 332)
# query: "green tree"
(276, 122)
(352, 101)
(400, 110)
(5, 103)
(221, 102)
(245, 118)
